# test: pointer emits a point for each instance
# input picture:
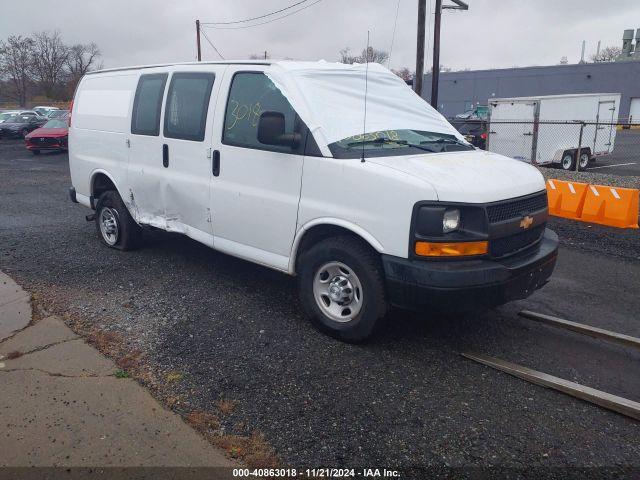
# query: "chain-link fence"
(569, 145)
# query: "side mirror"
(271, 131)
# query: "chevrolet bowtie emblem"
(526, 222)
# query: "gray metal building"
(460, 91)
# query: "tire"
(35, 152)
(114, 224)
(323, 269)
(584, 161)
(568, 161)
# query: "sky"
(491, 34)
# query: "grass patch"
(225, 407)
(173, 377)
(252, 450)
(122, 374)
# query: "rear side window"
(145, 119)
(185, 114)
(251, 94)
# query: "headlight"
(450, 220)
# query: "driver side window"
(251, 94)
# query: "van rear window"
(147, 105)
(185, 115)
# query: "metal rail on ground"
(606, 400)
(617, 404)
(594, 332)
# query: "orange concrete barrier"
(566, 199)
(613, 206)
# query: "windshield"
(387, 143)
(57, 123)
(6, 116)
(17, 119)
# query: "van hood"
(469, 177)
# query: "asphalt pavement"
(233, 331)
(625, 158)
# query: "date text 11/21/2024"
(316, 473)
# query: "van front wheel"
(341, 288)
(114, 223)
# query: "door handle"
(165, 155)
(215, 163)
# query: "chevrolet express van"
(338, 174)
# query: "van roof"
(159, 65)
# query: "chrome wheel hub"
(109, 227)
(337, 291)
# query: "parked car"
(44, 110)
(403, 212)
(11, 113)
(480, 112)
(58, 113)
(18, 126)
(52, 135)
(474, 131)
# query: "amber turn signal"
(451, 249)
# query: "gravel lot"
(232, 330)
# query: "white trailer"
(523, 128)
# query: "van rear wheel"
(341, 288)
(116, 228)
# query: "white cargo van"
(547, 127)
(276, 163)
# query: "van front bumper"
(464, 285)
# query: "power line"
(393, 36)
(212, 45)
(209, 25)
(257, 18)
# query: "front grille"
(516, 208)
(44, 141)
(501, 247)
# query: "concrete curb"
(63, 406)
(15, 307)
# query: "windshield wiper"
(448, 141)
(386, 141)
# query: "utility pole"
(198, 40)
(435, 73)
(417, 79)
(265, 54)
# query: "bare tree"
(49, 60)
(82, 58)
(404, 73)
(372, 55)
(367, 55)
(347, 57)
(15, 62)
(259, 56)
(564, 61)
(607, 54)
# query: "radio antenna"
(366, 84)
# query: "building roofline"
(531, 67)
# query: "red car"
(52, 135)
